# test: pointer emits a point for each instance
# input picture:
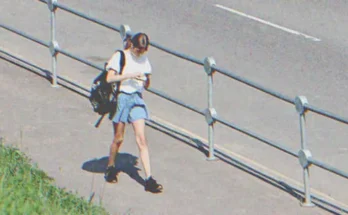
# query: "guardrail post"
(304, 154)
(53, 45)
(210, 112)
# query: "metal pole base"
(55, 86)
(307, 204)
(212, 158)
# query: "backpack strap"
(122, 61)
(116, 87)
(122, 64)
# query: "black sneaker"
(110, 174)
(152, 186)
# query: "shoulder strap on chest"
(122, 60)
(116, 86)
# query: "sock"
(148, 177)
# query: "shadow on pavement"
(125, 162)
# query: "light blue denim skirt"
(130, 107)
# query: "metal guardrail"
(210, 114)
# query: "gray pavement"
(284, 62)
(55, 128)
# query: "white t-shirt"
(132, 64)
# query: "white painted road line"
(267, 23)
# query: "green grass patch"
(25, 189)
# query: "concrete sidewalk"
(55, 128)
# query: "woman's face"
(138, 51)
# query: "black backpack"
(104, 94)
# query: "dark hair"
(139, 40)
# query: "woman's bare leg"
(139, 130)
(119, 129)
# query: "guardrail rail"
(300, 102)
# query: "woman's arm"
(148, 81)
(112, 76)
(113, 67)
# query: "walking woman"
(131, 108)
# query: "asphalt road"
(295, 48)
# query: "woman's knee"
(119, 129)
(118, 139)
(141, 140)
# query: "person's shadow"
(124, 163)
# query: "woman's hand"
(112, 76)
(138, 75)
